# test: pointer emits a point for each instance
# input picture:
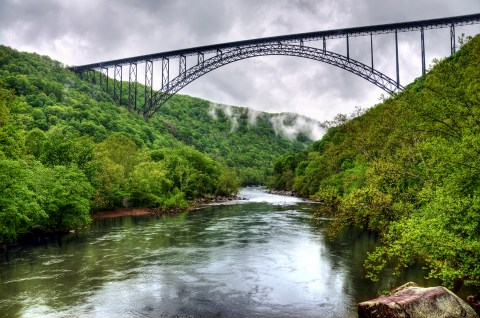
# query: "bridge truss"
(212, 57)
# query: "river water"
(261, 257)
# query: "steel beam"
(452, 39)
(422, 44)
(117, 84)
(200, 58)
(348, 48)
(91, 75)
(165, 73)
(182, 65)
(371, 48)
(396, 59)
(132, 86)
(148, 84)
(104, 74)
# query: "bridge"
(211, 57)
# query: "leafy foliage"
(408, 168)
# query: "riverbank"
(195, 204)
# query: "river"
(261, 257)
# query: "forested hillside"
(408, 168)
(247, 141)
(66, 149)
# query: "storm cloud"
(85, 31)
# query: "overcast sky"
(78, 32)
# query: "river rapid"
(259, 257)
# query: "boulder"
(412, 301)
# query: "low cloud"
(252, 116)
(291, 126)
(228, 111)
(288, 125)
(212, 110)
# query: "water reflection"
(252, 259)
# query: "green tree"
(36, 142)
(19, 206)
(149, 186)
(64, 194)
(228, 183)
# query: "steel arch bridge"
(209, 58)
(198, 70)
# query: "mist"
(287, 125)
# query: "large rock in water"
(411, 301)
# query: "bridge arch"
(235, 54)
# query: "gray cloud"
(85, 31)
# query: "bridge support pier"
(182, 66)
(371, 48)
(422, 44)
(452, 39)
(91, 76)
(396, 59)
(348, 48)
(117, 83)
(148, 84)
(200, 58)
(104, 74)
(165, 73)
(132, 86)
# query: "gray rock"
(411, 301)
